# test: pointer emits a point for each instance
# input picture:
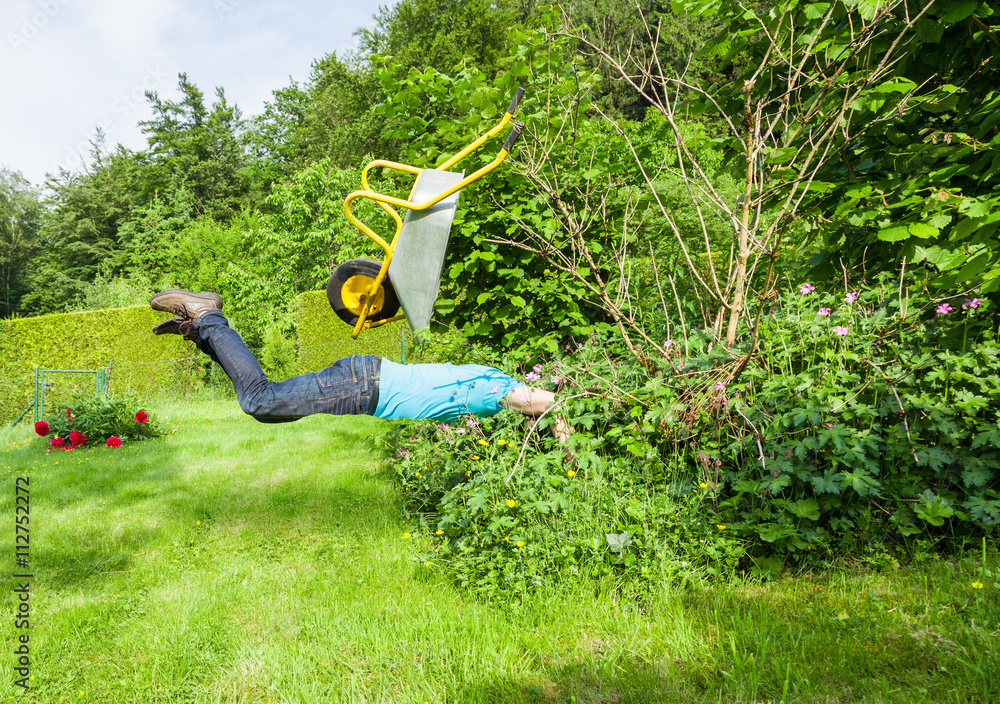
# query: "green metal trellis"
(102, 377)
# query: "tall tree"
(340, 121)
(444, 34)
(20, 213)
(921, 181)
(79, 231)
(197, 149)
(274, 141)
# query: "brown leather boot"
(186, 304)
(177, 326)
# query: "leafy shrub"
(873, 415)
(98, 418)
(562, 516)
(859, 427)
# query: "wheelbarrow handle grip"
(512, 137)
(512, 108)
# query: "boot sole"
(169, 327)
(204, 295)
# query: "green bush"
(865, 422)
(324, 338)
(859, 428)
(97, 418)
(556, 519)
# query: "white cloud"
(69, 66)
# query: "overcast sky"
(69, 66)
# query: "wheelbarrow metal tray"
(418, 257)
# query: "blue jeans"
(349, 387)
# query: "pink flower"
(840, 331)
(851, 296)
(141, 417)
(68, 414)
(531, 376)
(77, 438)
(943, 309)
(823, 311)
(56, 442)
(972, 303)
(829, 425)
(720, 386)
(537, 368)
(807, 288)
(42, 428)
(114, 441)
(668, 344)
(555, 380)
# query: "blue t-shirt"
(444, 392)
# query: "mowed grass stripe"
(241, 562)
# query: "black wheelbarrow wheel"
(348, 286)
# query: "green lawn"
(240, 562)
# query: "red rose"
(114, 441)
(141, 417)
(42, 428)
(68, 414)
(77, 438)
(56, 442)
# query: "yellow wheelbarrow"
(366, 294)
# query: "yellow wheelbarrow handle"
(389, 203)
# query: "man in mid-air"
(354, 385)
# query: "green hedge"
(143, 363)
(324, 338)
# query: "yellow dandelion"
(427, 564)
(197, 523)
(506, 539)
(475, 457)
(977, 585)
(483, 442)
(469, 473)
(571, 473)
(439, 532)
(407, 536)
(520, 543)
(511, 503)
(721, 527)
(703, 485)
